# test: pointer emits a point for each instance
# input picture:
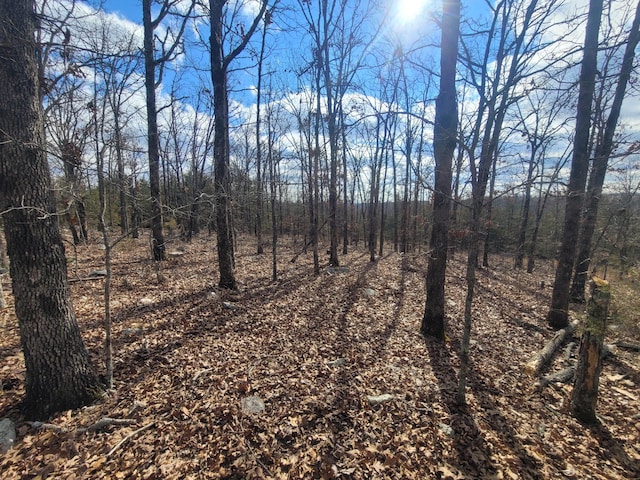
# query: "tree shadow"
(474, 454)
(614, 449)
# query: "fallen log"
(563, 376)
(627, 346)
(540, 359)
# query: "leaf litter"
(316, 377)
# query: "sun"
(410, 10)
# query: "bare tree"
(444, 139)
(603, 151)
(220, 61)
(169, 45)
(558, 315)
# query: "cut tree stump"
(585, 385)
(540, 359)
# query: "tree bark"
(445, 131)
(558, 316)
(585, 387)
(600, 164)
(221, 184)
(158, 245)
(59, 374)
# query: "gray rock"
(369, 292)
(252, 404)
(378, 399)
(132, 331)
(338, 362)
(7, 434)
(145, 302)
(229, 306)
(446, 429)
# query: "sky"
(407, 21)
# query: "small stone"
(229, 306)
(378, 399)
(132, 331)
(7, 434)
(446, 429)
(369, 292)
(145, 302)
(98, 273)
(101, 246)
(252, 404)
(338, 362)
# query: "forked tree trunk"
(600, 164)
(59, 374)
(558, 316)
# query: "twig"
(105, 422)
(129, 437)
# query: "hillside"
(309, 352)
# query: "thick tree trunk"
(158, 244)
(585, 386)
(59, 374)
(445, 131)
(558, 316)
(600, 164)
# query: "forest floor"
(313, 349)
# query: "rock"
(369, 292)
(98, 273)
(252, 404)
(446, 429)
(145, 302)
(7, 434)
(101, 246)
(338, 362)
(378, 399)
(229, 306)
(175, 254)
(132, 331)
(333, 270)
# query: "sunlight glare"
(411, 10)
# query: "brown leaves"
(313, 349)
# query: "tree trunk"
(222, 185)
(600, 164)
(59, 374)
(158, 244)
(585, 386)
(259, 187)
(558, 316)
(487, 236)
(526, 207)
(445, 131)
